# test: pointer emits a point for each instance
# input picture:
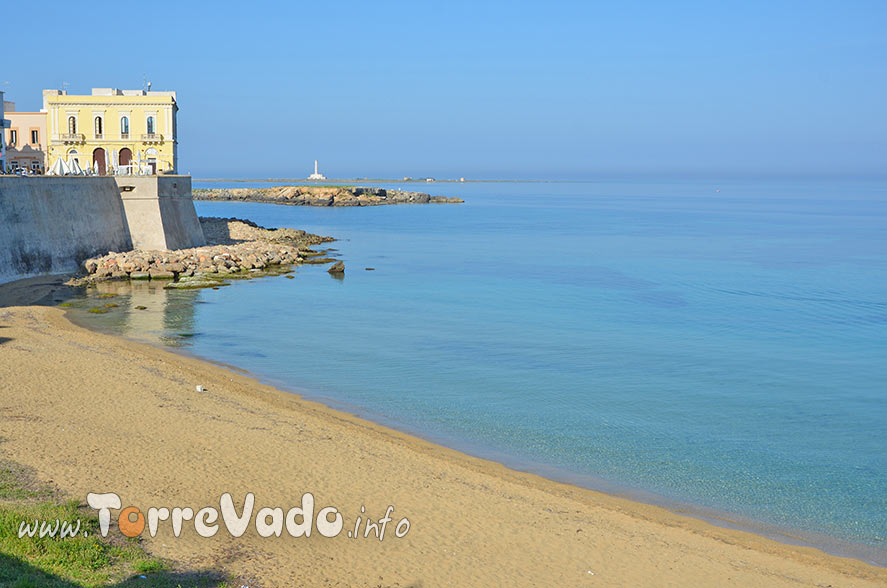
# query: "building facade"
(25, 140)
(113, 131)
(3, 124)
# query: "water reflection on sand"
(142, 310)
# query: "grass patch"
(17, 483)
(86, 560)
(66, 304)
(107, 295)
(98, 310)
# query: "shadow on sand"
(15, 572)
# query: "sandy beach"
(94, 413)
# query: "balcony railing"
(99, 135)
(124, 136)
(73, 138)
(152, 138)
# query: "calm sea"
(721, 347)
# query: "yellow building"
(113, 131)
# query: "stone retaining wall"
(50, 225)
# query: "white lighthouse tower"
(316, 175)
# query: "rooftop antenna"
(65, 86)
(144, 81)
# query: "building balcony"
(99, 136)
(124, 136)
(72, 138)
(152, 138)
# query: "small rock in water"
(337, 268)
(370, 269)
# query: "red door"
(125, 156)
(98, 157)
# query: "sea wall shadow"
(217, 232)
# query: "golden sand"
(94, 413)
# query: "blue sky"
(530, 90)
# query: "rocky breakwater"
(322, 196)
(236, 249)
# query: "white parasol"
(59, 168)
(75, 169)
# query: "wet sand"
(94, 413)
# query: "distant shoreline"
(616, 177)
(321, 195)
(307, 182)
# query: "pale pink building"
(25, 139)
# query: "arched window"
(98, 127)
(72, 125)
(124, 127)
(150, 125)
(73, 156)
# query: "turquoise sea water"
(725, 350)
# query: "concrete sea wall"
(52, 224)
(160, 212)
(49, 225)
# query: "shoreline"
(257, 396)
(783, 534)
(723, 519)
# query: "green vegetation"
(86, 560)
(98, 310)
(319, 260)
(14, 484)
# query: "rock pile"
(228, 231)
(234, 247)
(322, 196)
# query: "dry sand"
(93, 413)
